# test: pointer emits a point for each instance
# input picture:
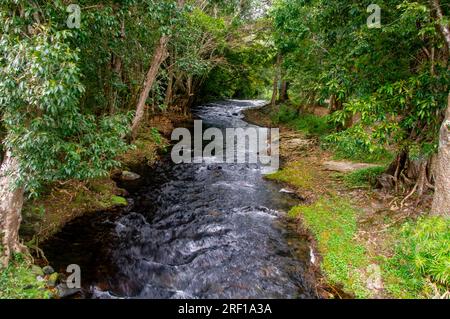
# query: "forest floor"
(355, 228)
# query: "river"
(192, 231)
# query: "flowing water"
(192, 231)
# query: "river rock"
(48, 270)
(65, 292)
(129, 176)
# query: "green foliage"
(366, 177)
(334, 225)
(39, 100)
(357, 144)
(285, 115)
(247, 72)
(17, 281)
(386, 76)
(118, 200)
(310, 124)
(420, 266)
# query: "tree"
(276, 80)
(48, 137)
(394, 78)
(172, 14)
(441, 203)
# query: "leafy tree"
(384, 86)
(48, 137)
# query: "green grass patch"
(420, 267)
(311, 125)
(334, 224)
(364, 178)
(296, 174)
(17, 281)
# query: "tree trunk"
(441, 202)
(158, 58)
(116, 65)
(169, 92)
(276, 80)
(11, 202)
(284, 91)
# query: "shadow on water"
(191, 231)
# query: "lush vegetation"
(386, 87)
(18, 281)
(420, 265)
(76, 102)
(366, 177)
(333, 222)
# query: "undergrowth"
(420, 266)
(364, 178)
(17, 281)
(311, 125)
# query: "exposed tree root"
(409, 177)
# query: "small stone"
(129, 176)
(37, 271)
(52, 279)
(287, 191)
(64, 291)
(48, 270)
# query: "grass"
(17, 281)
(363, 178)
(296, 174)
(311, 125)
(333, 222)
(414, 256)
(145, 149)
(420, 265)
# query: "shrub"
(356, 144)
